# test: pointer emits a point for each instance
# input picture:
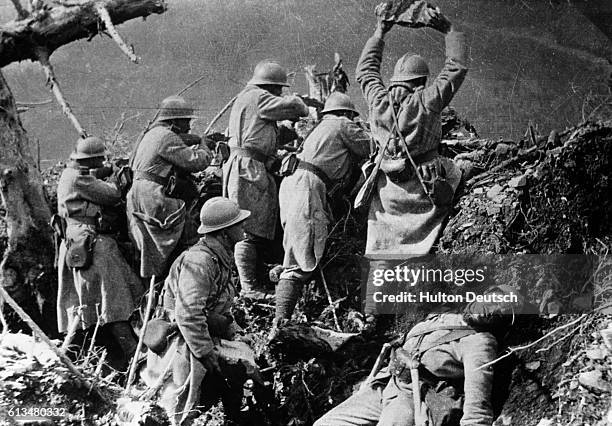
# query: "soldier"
(404, 218)
(246, 175)
(94, 278)
(160, 197)
(453, 353)
(197, 298)
(325, 166)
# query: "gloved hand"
(436, 20)
(210, 361)
(383, 20)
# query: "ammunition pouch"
(181, 187)
(79, 251)
(158, 333)
(289, 165)
(125, 178)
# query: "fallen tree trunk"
(65, 22)
(26, 269)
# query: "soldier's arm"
(447, 83)
(357, 140)
(195, 281)
(192, 159)
(97, 191)
(478, 349)
(368, 72)
(279, 108)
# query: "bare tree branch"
(21, 12)
(43, 58)
(110, 27)
(57, 24)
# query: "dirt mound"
(550, 197)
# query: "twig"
(72, 327)
(36, 329)
(220, 114)
(93, 338)
(100, 363)
(42, 55)
(119, 126)
(142, 332)
(5, 327)
(520, 348)
(110, 27)
(330, 301)
(384, 352)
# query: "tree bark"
(26, 270)
(65, 22)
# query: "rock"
(494, 192)
(545, 422)
(606, 334)
(593, 381)
(532, 366)
(573, 384)
(595, 354)
(518, 181)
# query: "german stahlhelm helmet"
(219, 213)
(339, 102)
(269, 72)
(89, 147)
(409, 67)
(175, 107)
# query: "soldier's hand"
(435, 19)
(210, 361)
(383, 20)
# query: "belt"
(305, 165)
(85, 220)
(251, 153)
(143, 175)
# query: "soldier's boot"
(245, 255)
(288, 291)
(126, 340)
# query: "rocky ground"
(541, 195)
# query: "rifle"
(365, 192)
(150, 122)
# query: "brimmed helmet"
(339, 102)
(409, 67)
(89, 147)
(269, 72)
(175, 107)
(219, 213)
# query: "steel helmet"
(269, 72)
(218, 213)
(89, 147)
(175, 107)
(338, 101)
(409, 67)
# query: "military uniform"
(333, 148)
(253, 133)
(402, 219)
(157, 221)
(108, 281)
(388, 399)
(199, 284)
